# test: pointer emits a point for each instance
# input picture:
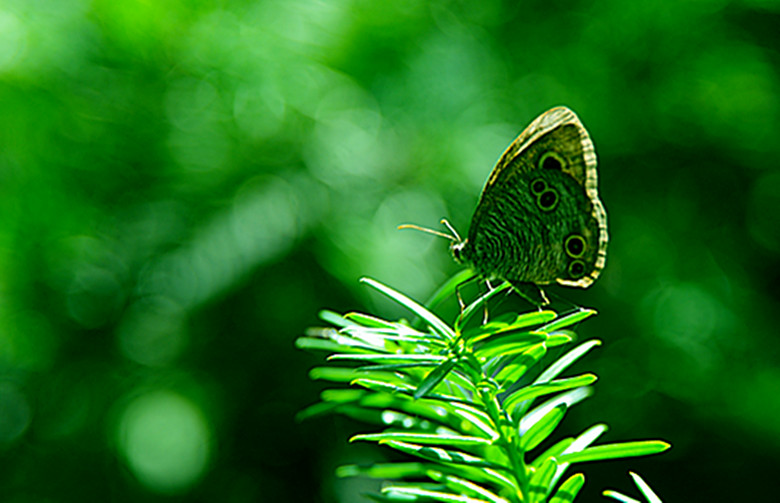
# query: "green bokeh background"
(183, 185)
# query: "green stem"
(487, 390)
(506, 438)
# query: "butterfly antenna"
(452, 229)
(429, 231)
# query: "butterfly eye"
(456, 255)
(551, 160)
(538, 186)
(575, 246)
(577, 269)
(547, 200)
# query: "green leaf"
(404, 389)
(537, 390)
(319, 344)
(569, 489)
(448, 288)
(645, 488)
(315, 410)
(510, 344)
(477, 305)
(540, 481)
(517, 369)
(423, 439)
(393, 498)
(582, 441)
(401, 420)
(334, 374)
(620, 497)
(517, 323)
(503, 337)
(587, 437)
(440, 413)
(367, 320)
(346, 342)
(616, 450)
(334, 318)
(430, 495)
(460, 486)
(532, 435)
(558, 339)
(350, 409)
(566, 360)
(440, 455)
(476, 475)
(552, 452)
(383, 470)
(461, 382)
(422, 360)
(393, 378)
(568, 320)
(476, 418)
(392, 367)
(532, 319)
(418, 340)
(363, 414)
(434, 401)
(434, 377)
(342, 395)
(506, 351)
(506, 319)
(385, 336)
(568, 398)
(349, 374)
(447, 424)
(384, 386)
(434, 321)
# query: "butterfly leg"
(545, 300)
(457, 291)
(485, 314)
(461, 304)
(531, 293)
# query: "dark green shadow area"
(184, 185)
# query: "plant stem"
(487, 393)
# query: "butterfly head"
(457, 249)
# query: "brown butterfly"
(539, 220)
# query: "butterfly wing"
(574, 143)
(539, 219)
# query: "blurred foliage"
(184, 184)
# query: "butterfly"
(539, 220)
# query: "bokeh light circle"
(165, 440)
